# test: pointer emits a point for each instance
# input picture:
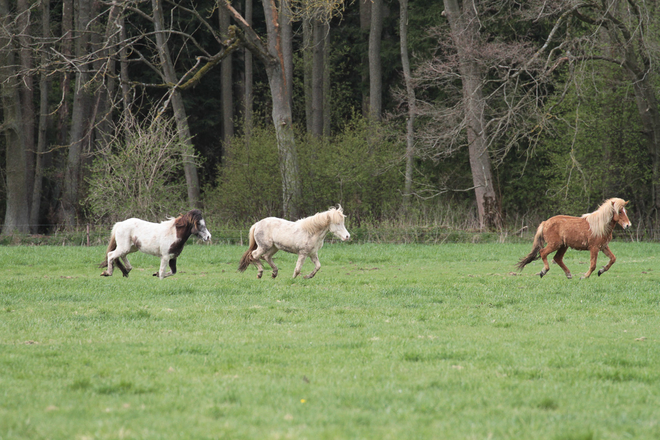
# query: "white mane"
(601, 218)
(322, 220)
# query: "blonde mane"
(322, 220)
(600, 219)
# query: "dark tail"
(536, 248)
(112, 245)
(247, 259)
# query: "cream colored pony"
(304, 237)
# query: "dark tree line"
(486, 104)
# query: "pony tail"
(112, 245)
(247, 259)
(536, 248)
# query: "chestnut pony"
(590, 232)
(164, 240)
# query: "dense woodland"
(475, 114)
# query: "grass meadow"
(386, 342)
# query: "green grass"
(386, 342)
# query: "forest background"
(469, 114)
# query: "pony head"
(198, 225)
(337, 227)
(621, 216)
(613, 210)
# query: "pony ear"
(625, 203)
(339, 208)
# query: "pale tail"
(247, 259)
(536, 248)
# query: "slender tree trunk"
(67, 51)
(123, 69)
(365, 25)
(410, 92)
(375, 66)
(226, 83)
(79, 121)
(465, 35)
(286, 32)
(308, 50)
(318, 32)
(27, 89)
(16, 214)
(327, 109)
(190, 170)
(248, 77)
(43, 124)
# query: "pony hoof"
(105, 274)
(569, 276)
(274, 275)
(541, 274)
(259, 276)
(600, 272)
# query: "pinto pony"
(591, 232)
(304, 237)
(164, 240)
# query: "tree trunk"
(318, 31)
(67, 51)
(327, 109)
(410, 92)
(23, 19)
(226, 83)
(375, 68)
(308, 50)
(248, 77)
(79, 121)
(466, 35)
(272, 56)
(16, 214)
(365, 25)
(35, 206)
(286, 32)
(123, 68)
(190, 170)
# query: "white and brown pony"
(304, 237)
(590, 232)
(164, 240)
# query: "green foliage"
(139, 173)
(359, 168)
(386, 342)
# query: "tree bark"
(226, 83)
(308, 50)
(16, 214)
(327, 71)
(375, 67)
(465, 35)
(169, 74)
(410, 93)
(286, 32)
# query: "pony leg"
(256, 255)
(112, 256)
(317, 265)
(608, 252)
(301, 260)
(268, 256)
(127, 264)
(163, 267)
(550, 248)
(594, 259)
(559, 259)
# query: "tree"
(410, 99)
(375, 67)
(16, 214)
(272, 56)
(465, 33)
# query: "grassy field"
(386, 342)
